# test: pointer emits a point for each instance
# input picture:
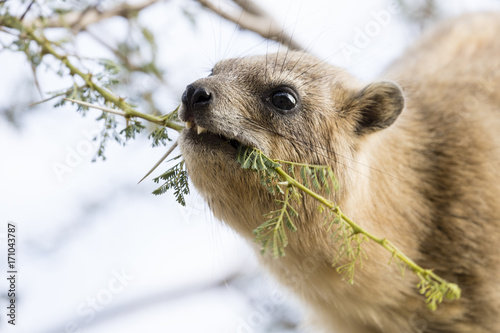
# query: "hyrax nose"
(196, 98)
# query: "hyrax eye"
(283, 100)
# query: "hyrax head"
(291, 106)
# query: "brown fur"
(427, 180)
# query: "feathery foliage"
(92, 86)
(159, 137)
(175, 178)
(272, 233)
(348, 235)
(132, 129)
(350, 251)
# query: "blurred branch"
(102, 108)
(251, 7)
(253, 18)
(117, 53)
(27, 10)
(31, 40)
(64, 93)
(122, 57)
(78, 21)
(47, 48)
(157, 297)
(422, 13)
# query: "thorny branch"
(32, 29)
(434, 287)
(47, 47)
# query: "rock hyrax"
(417, 156)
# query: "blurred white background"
(99, 253)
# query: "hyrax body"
(417, 156)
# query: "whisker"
(304, 52)
(316, 149)
(282, 34)
(233, 33)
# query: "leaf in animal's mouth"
(201, 130)
(235, 143)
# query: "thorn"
(170, 150)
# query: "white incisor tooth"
(201, 130)
(189, 124)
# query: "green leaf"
(272, 234)
(315, 180)
(175, 178)
(159, 137)
(131, 130)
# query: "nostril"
(201, 97)
(195, 99)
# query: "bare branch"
(251, 7)
(124, 59)
(54, 96)
(253, 18)
(102, 108)
(27, 10)
(35, 78)
(117, 53)
(79, 21)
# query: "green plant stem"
(359, 230)
(119, 102)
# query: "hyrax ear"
(377, 106)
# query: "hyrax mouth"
(202, 131)
(197, 102)
(198, 129)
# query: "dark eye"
(283, 100)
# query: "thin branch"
(79, 21)
(251, 7)
(56, 95)
(106, 94)
(35, 78)
(48, 48)
(253, 18)
(117, 53)
(169, 151)
(27, 10)
(424, 274)
(102, 108)
(125, 60)
(116, 311)
(9, 32)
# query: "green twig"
(47, 48)
(434, 287)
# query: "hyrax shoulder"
(416, 154)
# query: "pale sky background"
(99, 253)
